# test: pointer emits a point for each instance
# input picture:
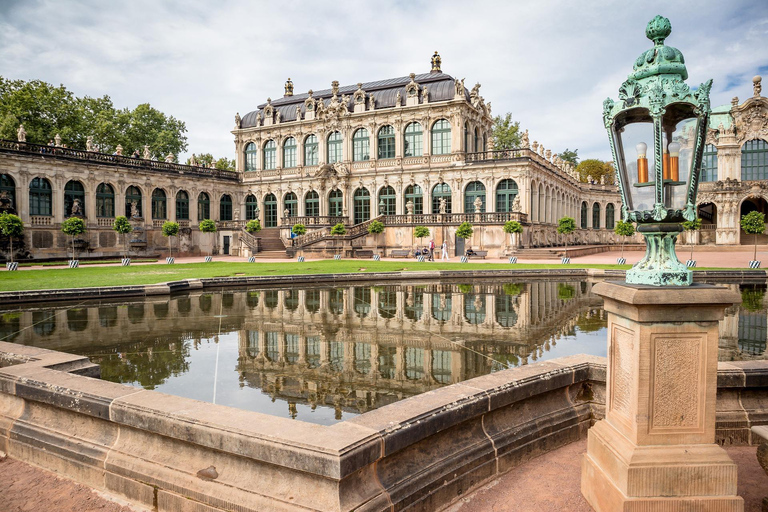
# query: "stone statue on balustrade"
(409, 207)
(135, 213)
(443, 205)
(169, 158)
(89, 144)
(6, 201)
(21, 134)
(516, 206)
(478, 204)
(147, 154)
(77, 208)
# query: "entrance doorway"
(752, 204)
(226, 244)
(459, 245)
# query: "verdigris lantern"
(657, 131)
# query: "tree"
(624, 229)
(753, 223)
(569, 156)
(73, 227)
(420, 232)
(596, 169)
(12, 227)
(376, 228)
(299, 229)
(205, 160)
(506, 133)
(690, 226)
(170, 229)
(253, 226)
(512, 226)
(208, 226)
(566, 226)
(465, 230)
(122, 227)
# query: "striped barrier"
(208, 259)
(621, 261)
(170, 260)
(690, 263)
(300, 259)
(464, 259)
(754, 264)
(12, 265)
(377, 257)
(74, 264)
(337, 256)
(420, 258)
(513, 259)
(125, 262)
(566, 261)
(251, 259)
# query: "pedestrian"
(445, 251)
(432, 250)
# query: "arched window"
(158, 204)
(270, 155)
(441, 137)
(250, 156)
(386, 142)
(477, 140)
(584, 215)
(251, 207)
(312, 204)
(361, 145)
(270, 211)
(7, 193)
(474, 309)
(336, 203)
(225, 207)
(362, 205)
(506, 192)
(74, 191)
(709, 164)
(291, 205)
(182, 205)
(40, 197)
(609, 216)
(442, 304)
(105, 200)
(203, 206)
(596, 216)
(474, 190)
(754, 160)
(289, 152)
(387, 201)
(467, 145)
(506, 315)
(334, 147)
(441, 191)
(414, 194)
(413, 140)
(310, 150)
(133, 199)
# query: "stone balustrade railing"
(317, 220)
(455, 218)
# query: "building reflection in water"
(342, 350)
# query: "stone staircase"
(271, 245)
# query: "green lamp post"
(657, 131)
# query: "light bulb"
(641, 149)
(674, 149)
(664, 144)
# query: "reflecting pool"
(322, 354)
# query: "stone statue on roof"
(436, 63)
(237, 120)
(424, 95)
(459, 85)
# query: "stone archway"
(707, 212)
(751, 204)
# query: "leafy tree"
(205, 160)
(420, 232)
(569, 156)
(253, 226)
(465, 230)
(624, 229)
(73, 226)
(170, 229)
(339, 230)
(12, 227)
(596, 169)
(376, 228)
(122, 227)
(208, 226)
(753, 223)
(566, 226)
(513, 288)
(690, 226)
(465, 288)
(506, 133)
(565, 291)
(512, 226)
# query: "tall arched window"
(474, 309)
(251, 207)
(506, 192)
(74, 190)
(609, 216)
(474, 190)
(477, 140)
(596, 216)
(289, 152)
(182, 205)
(386, 142)
(334, 147)
(413, 140)
(506, 315)
(387, 201)
(441, 191)
(270, 211)
(754, 160)
(291, 204)
(467, 144)
(270, 155)
(336, 203)
(583, 215)
(441, 137)
(250, 157)
(225, 207)
(361, 205)
(105, 200)
(312, 204)
(414, 194)
(203, 206)
(158, 204)
(709, 164)
(361, 145)
(7, 193)
(133, 201)
(40, 197)
(310, 150)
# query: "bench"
(399, 253)
(363, 253)
(478, 254)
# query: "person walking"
(445, 251)
(432, 250)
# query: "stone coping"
(109, 292)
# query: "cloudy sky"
(548, 62)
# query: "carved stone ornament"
(751, 120)
(412, 89)
(309, 103)
(359, 95)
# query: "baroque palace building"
(410, 151)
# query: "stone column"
(655, 450)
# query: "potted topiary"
(421, 232)
(375, 228)
(12, 227)
(512, 227)
(338, 230)
(208, 226)
(252, 227)
(566, 226)
(170, 229)
(624, 230)
(691, 226)
(753, 223)
(123, 227)
(73, 227)
(298, 230)
(464, 231)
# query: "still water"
(324, 354)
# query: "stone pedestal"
(655, 450)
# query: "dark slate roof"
(439, 85)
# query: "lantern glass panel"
(639, 166)
(679, 147)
